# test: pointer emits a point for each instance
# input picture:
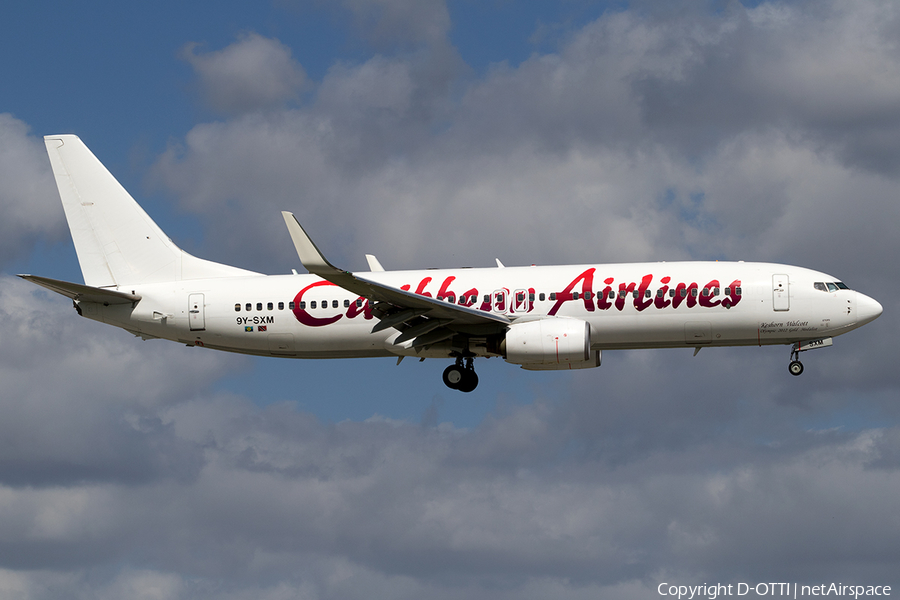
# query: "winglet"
(374, 265)
(309, 254)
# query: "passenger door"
(781, 293)
(196, 312)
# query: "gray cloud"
(645, 137)
(404, 21)
(28, 198)
(604, 488)
(254, 73)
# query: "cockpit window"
(829, 286)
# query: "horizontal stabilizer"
(83, 293)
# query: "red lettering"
(624, 290)
(587, 279)
(682, 293)
(734, 297)
(469, 298)
(355, 310)
(421, 288)
(642, 302)
(443, 293)
(706, 299)
(603, 302)
(306, 318)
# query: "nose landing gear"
(796, 367)
(458, 377)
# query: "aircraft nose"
(867, 309)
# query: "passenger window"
(660, 293)
(249, 307)
(542, 296)
(683, 293)
(831, 287)
(358, 302)
(487, 298)
(312, 303)
(346, 303)
(647, 293)
(303, 305)
(635, 294)
(694, 292)
(671, 293)
(728, 291)
(715, 291)
(737, 291)
(531, 297)
(270, 306)
(706, 291)
(574, 295)
(281, 306)
(259, 306)
(291, 305)
(237, 308)
(553, 295)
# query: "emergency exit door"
(781, 293)
(196, 316)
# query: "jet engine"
(547, 344)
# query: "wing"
(422, 319)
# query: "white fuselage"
(637, 305)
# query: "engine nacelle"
(593, 361)
(554, 341)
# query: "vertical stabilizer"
(116, 241)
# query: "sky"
(438, 133)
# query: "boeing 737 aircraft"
(541, 318)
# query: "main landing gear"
(458, 377)
(795, 366)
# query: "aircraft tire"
(454, 376)
(796, 367)
(469, 381)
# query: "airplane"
(538, 317)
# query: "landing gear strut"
(795, 366)
(458, 377)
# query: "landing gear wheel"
(469, 382)
(796, 367)
(454, 376)
(459, 377)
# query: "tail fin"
(116, 241)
